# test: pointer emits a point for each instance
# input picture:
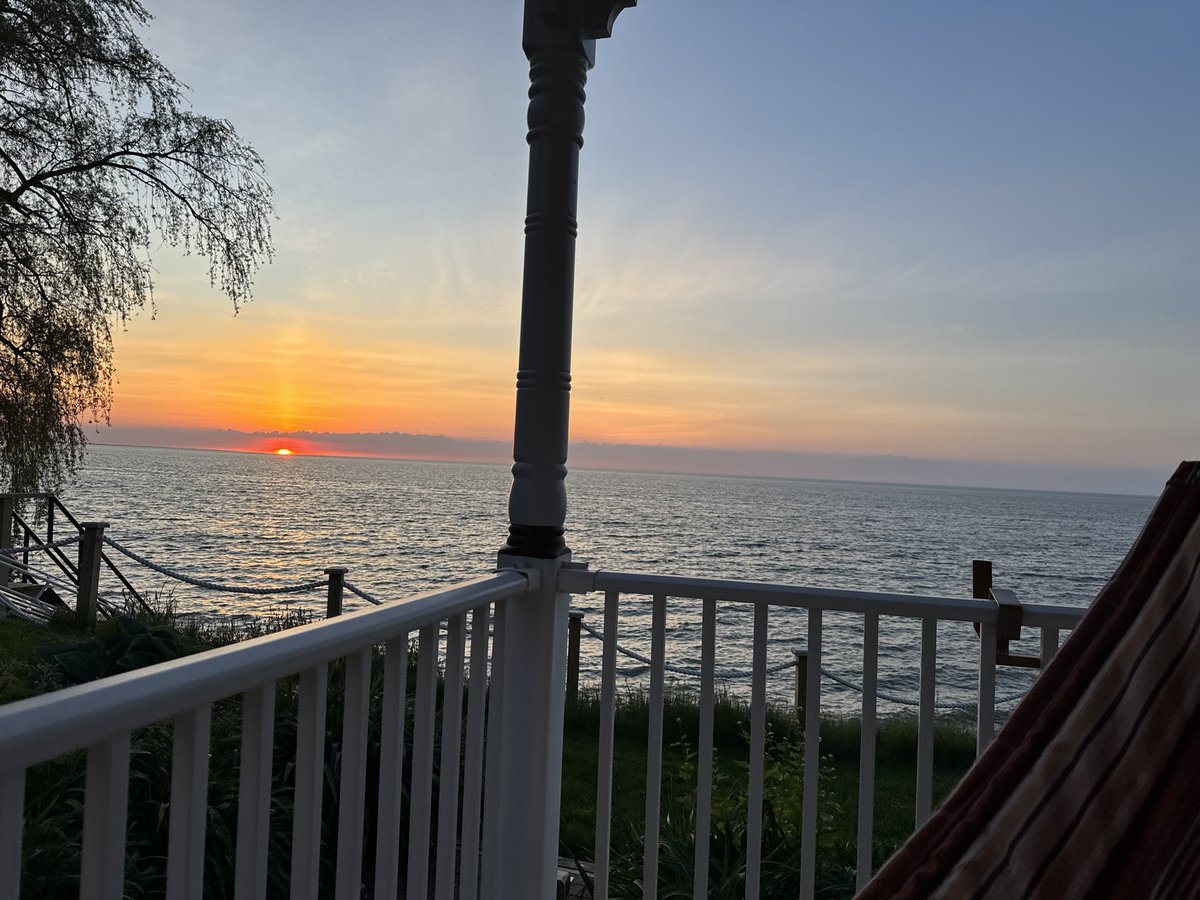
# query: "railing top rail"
(44, 727)
(806, 597)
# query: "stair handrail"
(61, 559)
(56, 554)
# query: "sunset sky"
(961, 232)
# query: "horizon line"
(605, 457)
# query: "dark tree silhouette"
(100, 156)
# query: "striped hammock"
(1092, 787)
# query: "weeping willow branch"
(100, 156)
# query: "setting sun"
(283, 451)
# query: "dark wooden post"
(8, 507)
(91, 544)
(337, 585)
(801, 679)
(574, 627)
(981, 579)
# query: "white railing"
(762, 598)
(481, 841)
(102, 715)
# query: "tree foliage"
(101, 156)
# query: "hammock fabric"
(1092, 787)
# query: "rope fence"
(690, 671)
(737, 674)
(300, 588)
(52, 545)
(720, 674)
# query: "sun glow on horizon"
(283, 451)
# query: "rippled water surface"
(402, 527)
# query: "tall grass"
(783, 793)
(55, 789)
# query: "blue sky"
(953, 231)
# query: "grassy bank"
(895, 792)
(34, 659)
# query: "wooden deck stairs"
(39, 573)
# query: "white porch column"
(559, 40)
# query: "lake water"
(402, 527)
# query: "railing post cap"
(93, 525)
(800, 652)
(336, 570)
(576, 614)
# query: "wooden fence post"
(574, 626)
(981, 579)
(8, 507)
(91, 544)
(801, 678)
(337, 584)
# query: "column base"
(535, 541)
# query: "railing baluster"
(421, 792)
(604, 748)
(106, 799)
(654, 735)
(254, 792)
(452, 697)
(866, 752)
(812, 760)
(493, 785)
(391, 767)
(355, 712)
(985, 718)
(189, 805)
(1049, 645)
(473, 762)
(310, 782)
(925, 718)
(12, 827)
(758, 746)
(704, 750)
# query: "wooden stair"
(36, 602)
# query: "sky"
(924, 233)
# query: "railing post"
(981, 579)
(337, 586)
(801, 679)
(8, 507)
(533, 686)
(574, 627)
(91, 543)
